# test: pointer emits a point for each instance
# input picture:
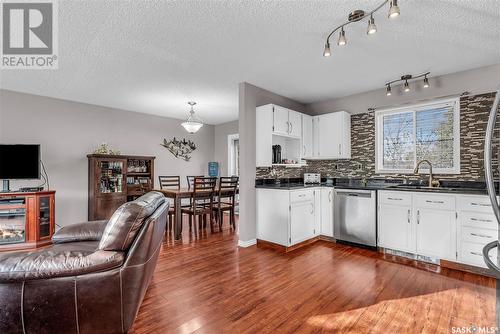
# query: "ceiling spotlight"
(426, 82)
(394, 9)
(372, 28)
(407, 86)
(327, 52)
(342, 40)
(388, 93)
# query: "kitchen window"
(407, 135)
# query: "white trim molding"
(247, 243)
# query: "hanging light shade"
(327, 52)
(426, 82)
(407, 86)
(394, 9)
(388, 92)
(342, 40)
(193, 123)
(372, 28)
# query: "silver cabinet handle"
(481, 235)
(291, 127)
(303, 195)
(394, 199)
(481, 220)
(304, 149)
(408, 216)
(340, 149)
(330, 196)
(475, 253)
(435, 202)
(479, 204)
(312, 208)
(418, 216)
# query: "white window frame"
(230, 153)
(379, 116)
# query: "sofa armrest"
(88, 231)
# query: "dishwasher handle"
(356, 193)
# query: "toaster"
(312, 178)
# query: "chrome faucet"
(432, 183)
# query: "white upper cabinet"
(280, 120)
(295, 123)
(332, 136)
(307, 136)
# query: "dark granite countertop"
(451, 187)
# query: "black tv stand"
(6, 186)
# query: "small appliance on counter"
(276, 154)
(312, 178)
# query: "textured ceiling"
(154, 56)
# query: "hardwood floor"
(206, 284)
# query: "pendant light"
(394, 9)
(426, 82)
(389, 92)
(372, 28)
(407, 86)
(193, 123)
(327, 52)
(342, 40)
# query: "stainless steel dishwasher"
(355, 216)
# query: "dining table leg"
(178, 218)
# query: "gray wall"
(220, 144)
(251, 97)
(476, 81)
(68, 131)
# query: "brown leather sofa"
(92, 280)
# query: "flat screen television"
(19, 162)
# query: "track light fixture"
(406, 78)
(356, 16)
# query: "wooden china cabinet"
(116, 179)
(26, 219)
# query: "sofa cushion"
(127, 220)
(57, 262)
(88, 231)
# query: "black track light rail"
(407, 77)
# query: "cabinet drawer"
(475, 203)
(472, 253)
(432, 201)
(301, 195)
(478, 235)
(478, 220)
(394, 197)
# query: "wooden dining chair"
(170, 182)
(201, 201)
(226, 200)
(190, 180)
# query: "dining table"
(177, 195)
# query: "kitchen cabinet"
(395, 228)
(332, 136)
(280, 120)
(307, 136)
(286, 217)
(295, 122)
(317, 211)
(326, 212)
(436, 233)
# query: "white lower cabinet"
(287, 217)
(443, 226)
(326, 212)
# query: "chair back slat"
(204, 190)
(227, 187)
(170, 182)
(190, 180)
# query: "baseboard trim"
(247, 243)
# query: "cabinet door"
(301, 221)
(280, 120)
(307, 136)
(315, 137)
(395, 227)
(327, 212)
(317, 212)
(295, 121)
(436, 233)
(328, 139)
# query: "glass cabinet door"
(111, 176)
(44, 217)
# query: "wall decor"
(105, 149)
(181, 149)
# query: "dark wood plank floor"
(206, 284)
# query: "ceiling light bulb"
(407, 87)
(327, 52)
(388, 93)
(372, 28)
(394, 9)
(342, 40)
(426, 82)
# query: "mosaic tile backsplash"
(474, 112)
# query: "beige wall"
(251, 97)
(221, 144)
(68, 131)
